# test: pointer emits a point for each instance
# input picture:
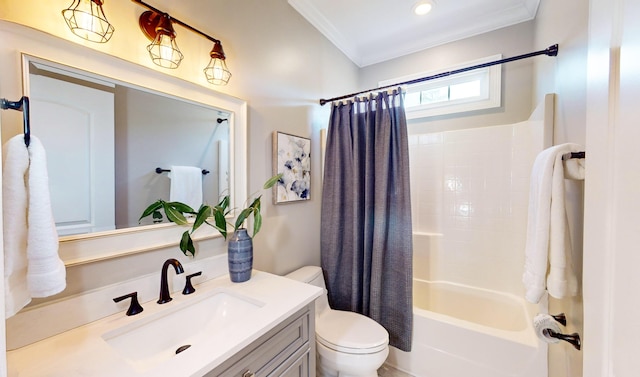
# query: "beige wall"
(566, 23)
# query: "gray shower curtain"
(366, 234)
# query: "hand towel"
(46, 274)
(32, 265)
(186, 185)
(548, 246)
(574, 168)
(15, 162)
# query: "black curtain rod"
(550, 51)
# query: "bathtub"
(462, 331)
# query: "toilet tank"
(312, 275)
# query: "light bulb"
(164, 51)
(87, 20)
(422, 8)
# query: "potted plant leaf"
(240, 248)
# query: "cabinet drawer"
(299, 368)
(265, 357)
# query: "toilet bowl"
(348, 344)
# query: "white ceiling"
(372, 31)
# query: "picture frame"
(292, 158)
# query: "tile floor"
(387, 371)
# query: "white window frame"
(491, 88)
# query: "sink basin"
(160, 336)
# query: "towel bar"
(20, 105)
(161, 170)
(568, 156)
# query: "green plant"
(175, 212)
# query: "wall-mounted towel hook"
(161, 170)
(220, 120)
(20, 105)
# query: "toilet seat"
(349, 332)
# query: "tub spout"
(164, 284)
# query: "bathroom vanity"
(287, 350)
(262, 327)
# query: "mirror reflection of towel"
(186, 185)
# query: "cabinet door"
(299, 368)
(282, 351)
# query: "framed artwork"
(292, 158)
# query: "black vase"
(240, 253)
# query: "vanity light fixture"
(158, 26)
(163, 49)
(216, 71)
(87, 20)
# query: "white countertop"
(83, 351)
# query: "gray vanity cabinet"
(288, 350)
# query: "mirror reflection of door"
(76, 126)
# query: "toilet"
(348, 344)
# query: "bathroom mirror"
(110, 146)
(48, 56)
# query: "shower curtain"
(366, 234)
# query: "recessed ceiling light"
(422, 8)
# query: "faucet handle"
(134, 306)
(188, 287)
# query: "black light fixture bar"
(177, 21)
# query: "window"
(467, 91)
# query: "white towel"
(548, 246)
(46, 274)
(574, 168)
(186, 185)
(15, 161)
(32, 265)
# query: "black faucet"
(164, 285)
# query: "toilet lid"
(350, 332)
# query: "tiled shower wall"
(470, 193)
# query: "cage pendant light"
(163, 49)
(87, 20)
(216, 71)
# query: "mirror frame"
(87, 248)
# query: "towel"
(32, 265)
(15, 161)
(186, 185)
(574, 168)
(46, 274)
(548, 245)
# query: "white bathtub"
(462, 331)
